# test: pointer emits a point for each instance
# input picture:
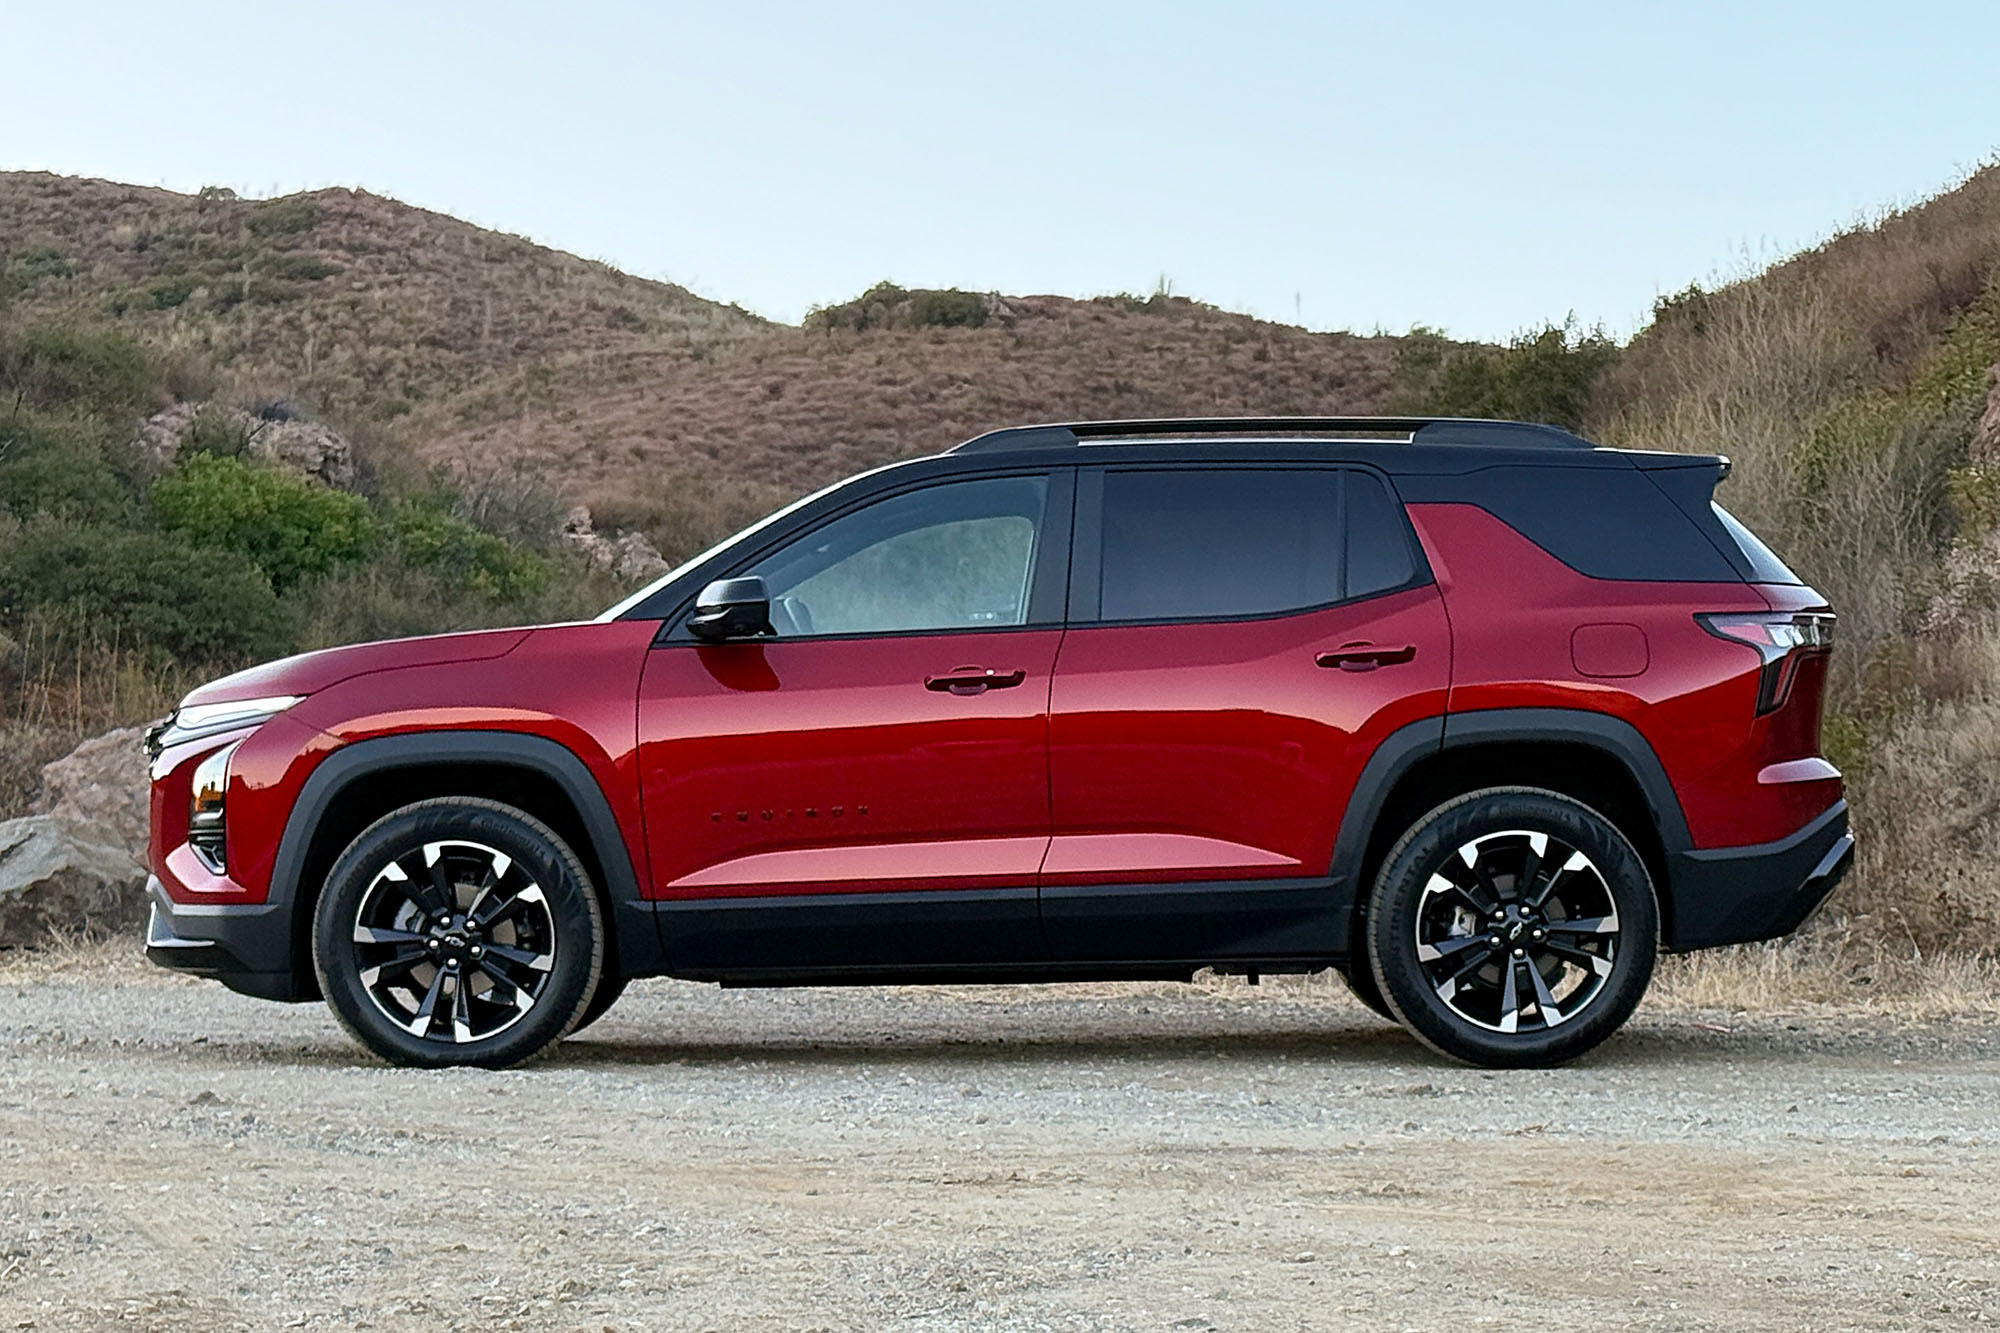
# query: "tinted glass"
(1209, 543)
(1606, 522)
(1378, 541)
(1765, 567)
(956, 556)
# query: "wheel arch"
(1594, 758)
(359, 783)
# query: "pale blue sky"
(1480, 166)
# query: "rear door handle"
(974, 680)
(1367, 656)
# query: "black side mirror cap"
(732, 609)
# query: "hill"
(689, 449)
(360, 307)
(431, 338)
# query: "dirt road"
(173, 1156)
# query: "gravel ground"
(1141, 1157)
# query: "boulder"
(303, 446)
(628, 555)
(101, 786)
(60, 878)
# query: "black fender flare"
(635, 941)
(1407, 746)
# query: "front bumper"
(247, 947)
(1736, 895)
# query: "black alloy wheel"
(458, 931)
(1513, 927)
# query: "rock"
(302, 446)
(55, 877)
(307, 447)
(627, 556)
(101, 786)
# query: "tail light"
(1782, 641)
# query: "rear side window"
(1607, 523)
(1215, 543)
(1765, 567)
(1378, 540)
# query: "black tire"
(609, 988)
(440, 898)
(1360, 978)
(1468, 918)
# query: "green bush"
(431, 539)
(206, 607)
(68, 367)
(289, 527)
(59, 467)
(947, 309)
(887, 306)
(279, 217)
(1544, 375)
(30, 266)
(168, 292)
(302, 268)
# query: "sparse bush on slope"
(1544, 375)
(1845, 384)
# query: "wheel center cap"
(1515, 930)
(454, 941)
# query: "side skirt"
(1072, 933)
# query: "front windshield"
(695, 562)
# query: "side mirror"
(731, 609)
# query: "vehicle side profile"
(1478, 713)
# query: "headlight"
(193, 721)
(238, 713)
(205, 808)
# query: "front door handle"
(1367, 656)
(974, 680)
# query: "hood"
(310, 672)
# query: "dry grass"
(713, 442)
(1817, 973)
(364, 307)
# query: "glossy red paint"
(828, 765)
(1135, 753)
(1190, 752)
(1514, 610)
(574, 684)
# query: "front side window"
(955, 556)
(1216, 543)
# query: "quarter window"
(954, 556)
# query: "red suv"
(1477, 713)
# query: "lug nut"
(1520, 953)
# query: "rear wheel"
(458, 931)
(1513, 927)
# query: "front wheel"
(1513, 927)
(458, 931)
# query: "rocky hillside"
(431, 338)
